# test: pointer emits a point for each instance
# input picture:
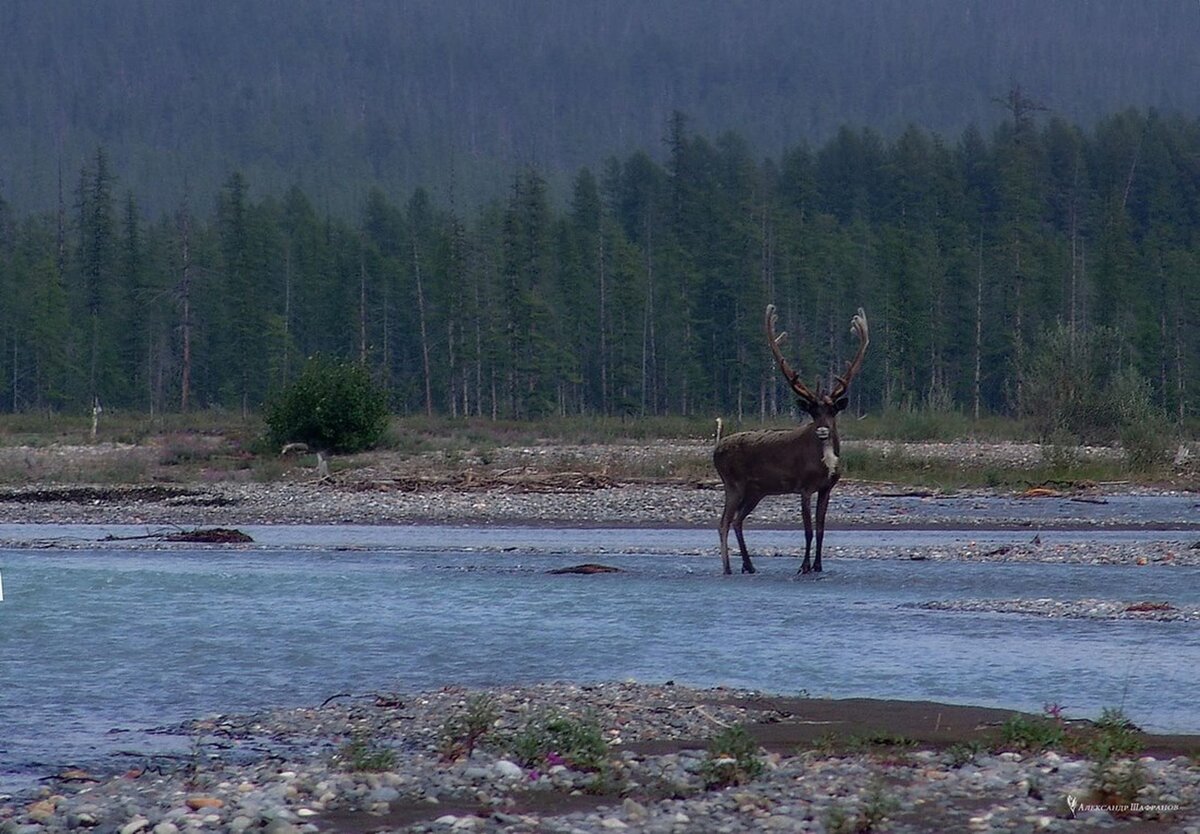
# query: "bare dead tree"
(804, 461)
(185, 301)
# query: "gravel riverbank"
(630, 484)
(638, 759)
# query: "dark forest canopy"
(458, 96)
(995, 268)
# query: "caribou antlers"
(858, 326)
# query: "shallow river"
(129, 637)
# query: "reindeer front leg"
(822, 506)
(806, 511)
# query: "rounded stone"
(508, 770)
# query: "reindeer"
(755, 464)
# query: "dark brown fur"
(755, 464)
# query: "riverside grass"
(216, 445)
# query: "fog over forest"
(459, 96)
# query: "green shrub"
(874, 810)
(1033, 733)
(334, 406)
(553, 738)
(1060, 451)
(1142, 427)
(463, 731)
(1115, 735)
(1117, 783)
(362, 755)
(1146, 443)
(732, 759)
(965, 753)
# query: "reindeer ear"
(841, 403)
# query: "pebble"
(508, 770)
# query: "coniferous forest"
(976, 257)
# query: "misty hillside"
(458, 96)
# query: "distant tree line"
(645, 294)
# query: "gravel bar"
(1071, 609)
(656, 775)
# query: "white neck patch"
(828, 456)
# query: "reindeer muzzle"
(823, 433)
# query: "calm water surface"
(97, 639)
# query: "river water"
(101, 642)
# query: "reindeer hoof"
(748, 569)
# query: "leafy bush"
(1115, 735)
(965, 753)
(333, 406)
(363, 755)
(732, 759)
(1143, 429)
(1117, 784)
(1060, 451)
(553, 738)
(874, 810)
(1073, 390)
(1066, 375)
(1033, 733)
(462, 732)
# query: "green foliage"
(1113, 735)
(916, 424)
(1060, 451)
(875, 808)
(363, 755)
(733, 758)
(1109, 736)
(1032, 733)
(1072, 393)
(900, 467)
(1117, 783)
(333, 406)
(462, 732)
(882, 742)
(878, 741)
(1143, 429)
(958, 755)
(632, 308)
(551, 737)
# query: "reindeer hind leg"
(732, 502)
(747, 506)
